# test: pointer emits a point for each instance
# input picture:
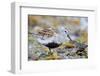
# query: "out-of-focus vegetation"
(77, 27)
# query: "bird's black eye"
(66, 31)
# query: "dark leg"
(69, 38)
(50, 52)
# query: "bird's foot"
(50, 53)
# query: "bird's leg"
(69, 37)
(50, 51)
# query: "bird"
(51, 38)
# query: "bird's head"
(63, 30)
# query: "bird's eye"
(65, 31)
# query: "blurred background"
(77, 28)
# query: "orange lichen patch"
(74, 22)
(68, 45)
(83, 38)
(32, 20)
(85, 34)
(53, 56)
(46, 49)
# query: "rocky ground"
(68, 50)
